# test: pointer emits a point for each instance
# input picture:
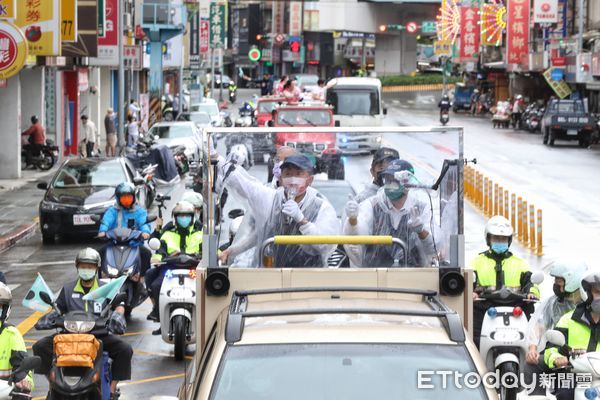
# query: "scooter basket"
(75, 350)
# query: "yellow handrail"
(341, 239)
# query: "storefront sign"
(278, 12)
(559, 61)
(204, 36)
(442, 48)
(559, 30)
(545, 11)
(41, 22)
(87, 31)
(68, 25)
(469, 33)
(13, 50)
(218, 25)
(561, 88)
(596, 64)
(517, 31)
(295, 18)
(132, 57)
(8, 9)
(194, 51)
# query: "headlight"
(50, 206)
(79, 326)
(112, 272)
(129, 271)
(378, 139)
(181, 293)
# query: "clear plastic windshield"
(318, 181)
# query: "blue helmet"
(397, 166)
(124, 188)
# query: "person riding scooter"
(70, 299)
(182, 238)
(444, 104)
(497, 268)
(36, 138)
(232, 91)
(194, 199)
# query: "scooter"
(181, 160)
(177, 302)
(44, 160)
(86, 375)
(503, 342)
(444, 117)
(7, 390)
(232, 93)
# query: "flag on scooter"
(106, 292)
(33, 300)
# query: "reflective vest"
(11, 342)
(581, 333)
(513, 267)
(192, 244)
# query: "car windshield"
(569, 107)
(354, 101)
(304, 117)
(172, 131)
(199, 118)
(210, 109)
(308, 80)
(342, 371)
(90, 173)
(267, 106)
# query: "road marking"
(136, 333)
(29, 322)
(158, 378)
(42, 264)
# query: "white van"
(356, 102)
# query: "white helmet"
(571, 271)
(5, 301)
(183, 207)
(498, 226)
(89, 256)
(587, 283)
(193, 198)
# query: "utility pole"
(121, 97)
(221, 69)
(363, 59)
(580, 34)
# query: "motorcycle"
(7, 390)
(503, 342)
(232, 93)
(444, 117)
(44, 160)
(181, 160)
(177, 308)
(246, 118)
(166, 104)
(88, 374)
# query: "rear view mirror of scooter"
(555, 337)
(537, 277)
(154, 244)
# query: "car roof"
(354, 81)
(173, 123)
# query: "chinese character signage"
(278, 17)
(68, 25)
(218, 25)
(132, 57)
(561, 88)
(13, 50)
(469, 33)
(295, 18)
(545, 11)
(40, 21)
(7, 9)
(204, 36)
(442, 48)
(517, 31)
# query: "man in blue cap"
(393, 211)
(381, 159)
(294, 208)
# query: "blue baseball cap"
(298, 161)
(398, 165)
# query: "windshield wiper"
(285, 121)
(310, 122)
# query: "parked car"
(462, 97)
(210, 107)
(200, 118)
(80, 189)
(174, 134)
(567, 120)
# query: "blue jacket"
(137, 214)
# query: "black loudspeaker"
(452, 281)
(217, 282)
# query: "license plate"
(352, 146)
(572, 132)
(82, 219)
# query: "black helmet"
(34, 119)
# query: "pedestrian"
(133, 132)
(280, 86)
(318, 93)
(266, 86)
(90, 135)
(134, 109)
(36, 139)
(111, 133)
(176, 106)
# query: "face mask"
(86, 274)
(184, 221)
(126, 201)
(294, 186)
(557, 292)
(595, 305)
(499, 248)
(394, 191)
(277, 170)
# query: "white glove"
(292, 210)
(404, 177)
(415, 223)
(352, 209)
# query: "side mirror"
(154, 244)
(537, 277)
(137, 181)
(270, 124)
(150, 218)
(337, 124)
(235, 213)
(42, 185)
(46, 298)
(555, 337)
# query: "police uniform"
(12, 351)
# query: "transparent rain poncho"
(545, 317)
(266, 204)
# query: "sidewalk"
(19, 201)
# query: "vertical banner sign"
(217, 25)
(545, 11)
(8, 9)
(204, 36)
(517, 31)
(492, 24)
(469, 33)
(278, 11)
(40, 21)
(195, 36)
(68, 24)
(295, 18)
(108, 46)
(101, 18)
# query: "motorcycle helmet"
(34, 119)
(5, 302)
(571, 272)
(183, 214)
(88, 256)
(498, 226)
(125, 195)
(194, 199)
(397, 166)
(588, 282)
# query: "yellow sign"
(13, 50)
(561, 88)
(442, 48)
(40, 21)
(7, 9)
(68, 25)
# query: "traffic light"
(391, 27)
(295, 47)
(382, 28)
(258, 37)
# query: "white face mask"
(294, 186)
(86, 274)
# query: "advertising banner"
(68, 25)
(469, 33)
(40, 21)
(517, 31)
(13, 50)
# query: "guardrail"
(494, 199)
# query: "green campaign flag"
(33, 300)
(106, 292)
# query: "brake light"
(556, 127)
(517, 311)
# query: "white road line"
(41, 264)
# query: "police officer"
(381, 159)
(581, 328)
(70, 299)
(182, 238)
(394, 211)
(496, 268)
(194, 199)
(12, 346)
